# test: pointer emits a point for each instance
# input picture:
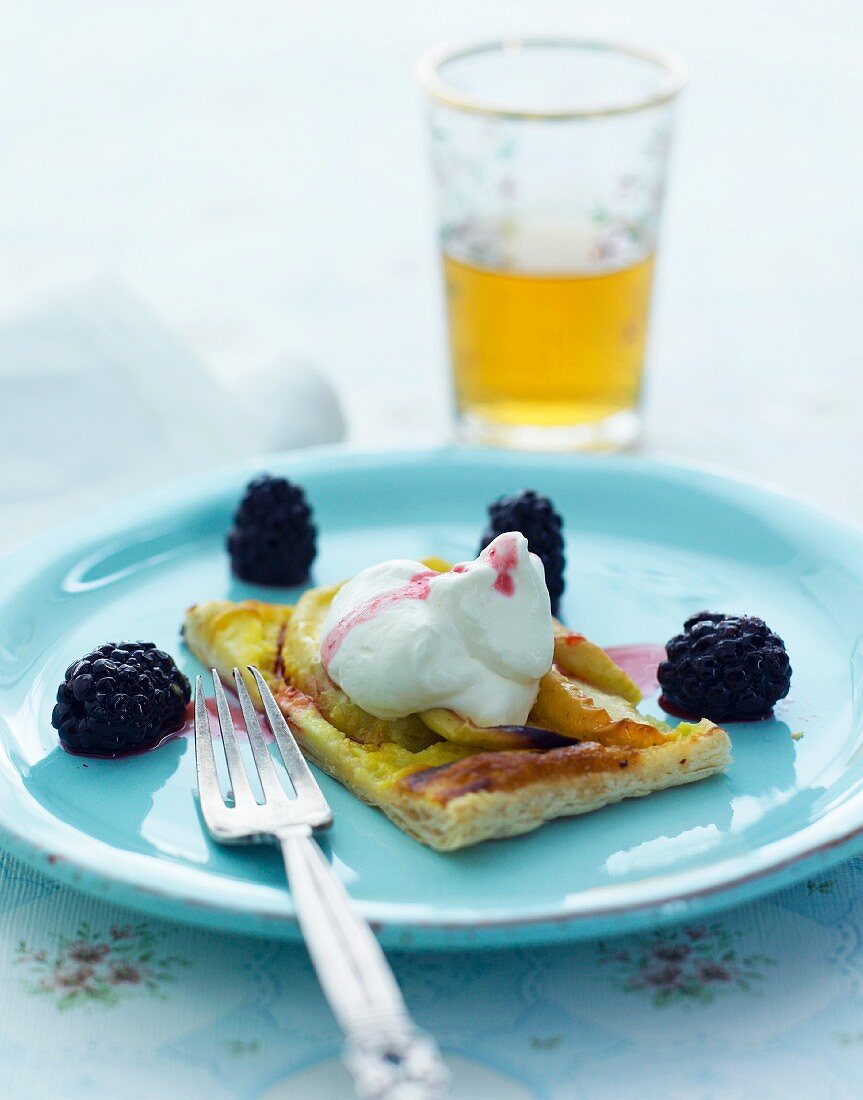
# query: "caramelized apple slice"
(461, 731)
(575, 656)
(579, 710)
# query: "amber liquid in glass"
(549, 350)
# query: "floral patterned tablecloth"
(765, 1000)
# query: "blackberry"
(535, 517)
(122, 697)
(724, 667)
(273, 539)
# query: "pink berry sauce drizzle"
(417, 588)
(639, 662)
(503, 558)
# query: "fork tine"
(209, 792)
(236, 768)
(273, 789)
(295, 764)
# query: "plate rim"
(512, 924)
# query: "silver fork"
(388, 1057)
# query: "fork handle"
(388, 1057)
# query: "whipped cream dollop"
(400, 638)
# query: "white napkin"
(97, 399)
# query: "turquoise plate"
(647, 545)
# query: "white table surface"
(256, 173)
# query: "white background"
(256, 172)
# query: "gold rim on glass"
(428, 73)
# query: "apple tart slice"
(444, 780)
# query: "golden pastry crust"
(444, 794)
(489, 795)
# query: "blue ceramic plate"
(647, 545)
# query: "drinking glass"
(549, 159)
